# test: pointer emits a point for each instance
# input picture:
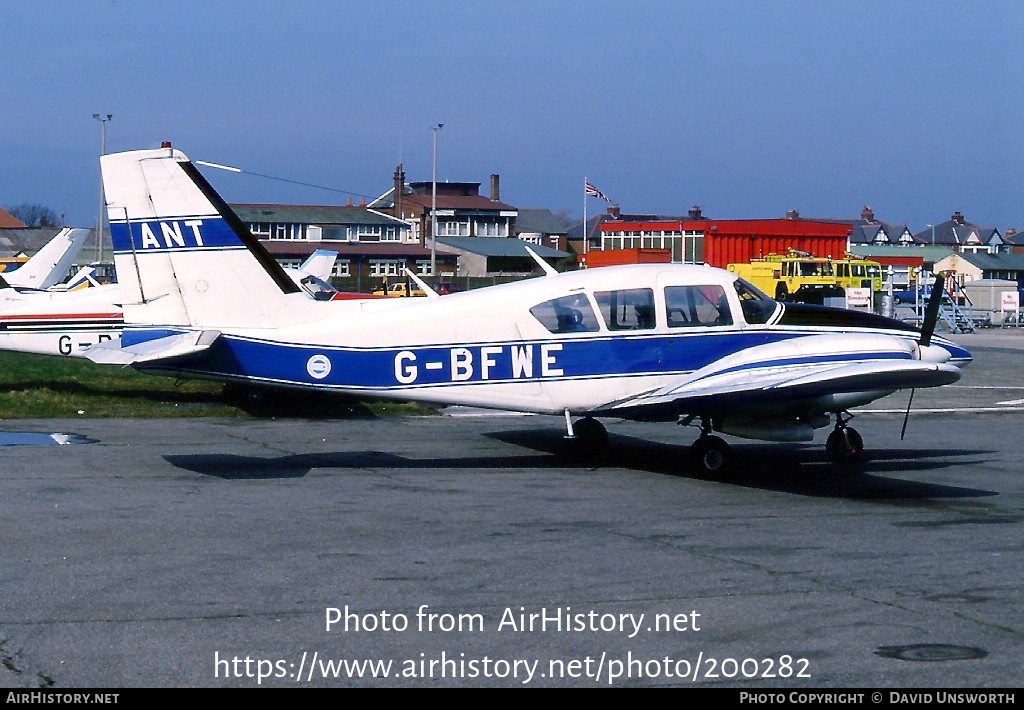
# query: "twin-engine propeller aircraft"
(660, 342)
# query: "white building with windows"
(370, 244)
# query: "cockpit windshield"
(316, 287)
(757, 306)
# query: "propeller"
(931, 311)
(931, 319)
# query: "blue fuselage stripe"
(432, 365)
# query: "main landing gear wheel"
(844, 445)
(590, 435)
(587, 437)
(710, 454)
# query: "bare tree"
(35, 215)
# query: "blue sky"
(748, 109)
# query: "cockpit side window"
(693, 306)
(568, 314)
(757, 306)
(628, 309)
(317, 288)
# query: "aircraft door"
(502, 361)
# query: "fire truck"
(801, 276)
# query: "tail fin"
(320, 263)
(183, 257)
(50, 265)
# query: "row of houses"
(476, 235)
(981, 252)
(479, 235)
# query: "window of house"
(451, 228)
(386, 267)
(288, 231)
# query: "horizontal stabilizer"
(112, 353)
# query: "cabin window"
(628, 309)
(568, 314)
(690, 306)
(757, 306)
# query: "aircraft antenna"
(232, 169)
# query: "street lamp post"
(433, 205)
(103, 203)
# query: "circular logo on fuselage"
(318, 367)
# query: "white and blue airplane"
(659, 342)
(38, 316)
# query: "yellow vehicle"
(10, 263)
(799, 276)
(399, 290)
(854, 272)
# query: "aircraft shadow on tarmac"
(801, 470)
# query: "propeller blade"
(907, 416)
(931, 311)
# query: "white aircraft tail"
(183, 257)
(50, 265)
(320, 263)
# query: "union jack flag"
(592, 191)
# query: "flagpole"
(586, 237)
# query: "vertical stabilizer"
(50, 265)
(183, 257)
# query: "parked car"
(906, 296)
(910, 296)
(399, 290)
(446, 287)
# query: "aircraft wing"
(187, 343)
(788, 375)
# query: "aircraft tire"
(710, 454)
(844, 446)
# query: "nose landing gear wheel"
(844, 445)
(710, 454)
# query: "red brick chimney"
(495, 195)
